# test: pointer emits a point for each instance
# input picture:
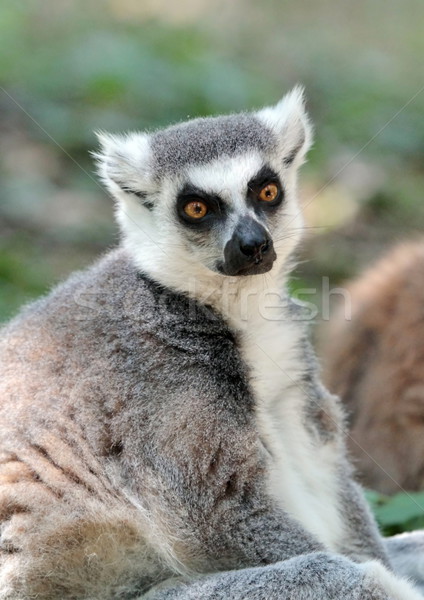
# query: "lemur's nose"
(249, 251)
(253, 241)
(254, 248)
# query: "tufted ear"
(123, 165)
(289, 121)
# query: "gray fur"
(306, 577)
(215, 468)
(202, 140)
(406, 552)
(182, 433)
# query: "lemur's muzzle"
(250, 251)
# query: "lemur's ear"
(289, 120)
(123, 165)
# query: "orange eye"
(196, 209)
(269, 192)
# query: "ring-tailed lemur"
(164, 432)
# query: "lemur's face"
(210, 195)
(225, 211)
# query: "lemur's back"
(119, 400)
(375, 363)
(59, 390)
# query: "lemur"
(165, 434)
(375, 362)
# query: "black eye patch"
(265, 176)
(217, 209)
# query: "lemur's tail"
(406, 552)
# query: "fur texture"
(164, 432)
(375, 363)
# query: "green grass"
(402, 512)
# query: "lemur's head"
(212, 197)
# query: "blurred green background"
(68, 68)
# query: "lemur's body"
(156, 423)
(296, 421)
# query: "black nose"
(250, 250)
(254, 248)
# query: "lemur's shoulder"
(113, 318)
(112, 288)
(113, 266)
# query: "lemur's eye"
(269, 192)
(195, 209)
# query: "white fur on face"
(159, 243)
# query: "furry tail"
(406, 552)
